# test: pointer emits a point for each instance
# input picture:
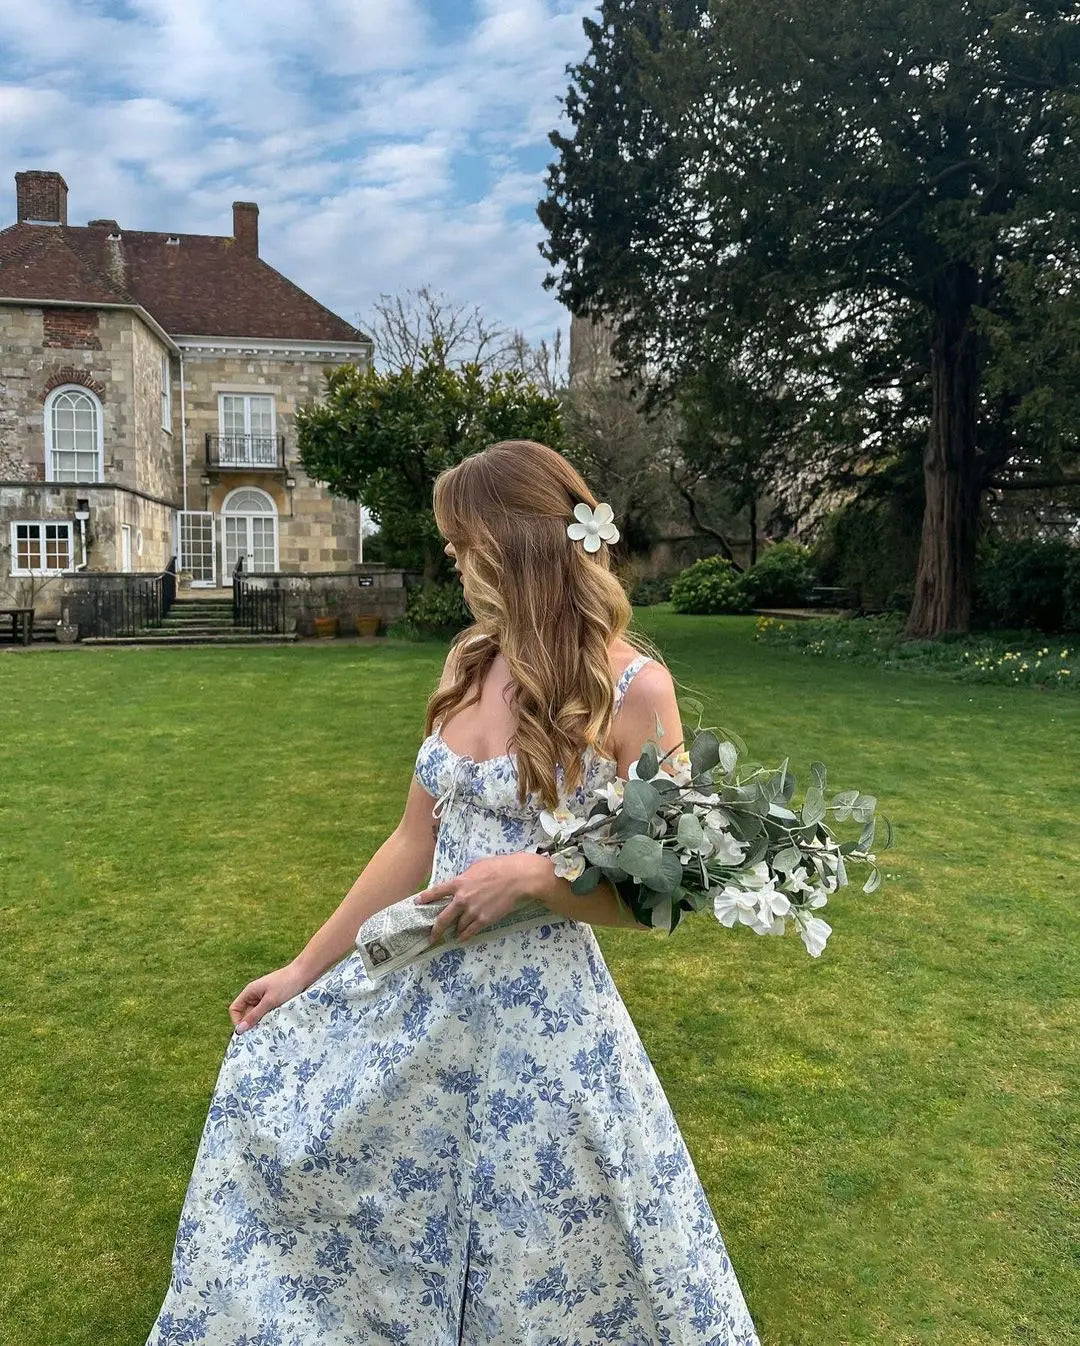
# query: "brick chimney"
(41, 197)
(245, 226)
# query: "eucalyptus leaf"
(873, 881)
(586, 881)
(640, 800)
(818, 771)
(669, 877)
(660, 916)
(786, 860)
(641, 857)
(863, 808)
(813, 809)
(648, 762)
(842, 803)
(729, 757)
(599, 853)
(866, 836)
(704, 752)
(689, 832)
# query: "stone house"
(148, 387)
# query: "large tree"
(872, 168)
(384, 438)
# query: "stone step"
(232, 638)
(218, 629)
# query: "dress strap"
(627, 676)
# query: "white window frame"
(247, 410)
(40, 524)
(49, 447)
(166, 392)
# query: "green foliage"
(384, 438)
(1029, 583)
(880, 183)
(434, 610)
(646, 592)
(783, 575)
(709, 585)
(871, 546)
(1011, 659)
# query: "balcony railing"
(261, 452)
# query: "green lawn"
(888, 1134)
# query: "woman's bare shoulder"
(622, 654)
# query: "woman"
(475, 1148)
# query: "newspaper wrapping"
(401, 932)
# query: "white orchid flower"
(560, 823)
(797, 882)
(568, 864)
(734, 904)
(612, 794)
(726, 848)
(814, 932)
(593, 526)
(683, 772)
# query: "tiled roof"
(203, 285)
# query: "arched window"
(74, 449)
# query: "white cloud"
(383, 154)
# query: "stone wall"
(109, 508)
(110, 351)
(315, 529)
(369, 589)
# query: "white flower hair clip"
(593, 525)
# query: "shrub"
(434, 610)
(872, 547)
(709, 585)
(783, 575)
(1030, 583)
(646, 592)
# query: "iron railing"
(266, 452)
(139, 602)
(256, 608)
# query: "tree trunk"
(946, 568)
(753, 529)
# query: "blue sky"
(388, 143)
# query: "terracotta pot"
(327, 626)
(367, 624)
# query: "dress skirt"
(474, 1151)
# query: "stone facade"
(316, 530)
(118, 356)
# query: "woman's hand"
(266, 993)
(487, 891)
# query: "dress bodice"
(476, 803)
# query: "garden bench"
(23, 616)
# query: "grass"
(887, 1134)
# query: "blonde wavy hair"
(550, 607)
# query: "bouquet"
(712, 833)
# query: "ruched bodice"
(476, 803)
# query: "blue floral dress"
(474, 1151)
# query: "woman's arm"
(401, 865)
